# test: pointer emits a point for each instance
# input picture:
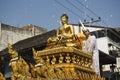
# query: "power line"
(68, 9)
(77, 8)
(86, 7)
(91, 11)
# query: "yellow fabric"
(80, 38)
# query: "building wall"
(78, 28)
(103, 44)
(34, 29)
(13, 34)
(94, 28)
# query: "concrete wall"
(103, 44)
(13, 34)
(34, 29)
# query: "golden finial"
(64, 12)
(34, 52)
(10, 48)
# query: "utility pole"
(92, 21)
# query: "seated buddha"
(65, 33)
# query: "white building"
(108, 40)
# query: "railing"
(113, 42)
(67, 57)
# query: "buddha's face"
(64, 20)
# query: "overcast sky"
(46, 13)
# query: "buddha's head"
(64, 19)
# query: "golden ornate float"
(62, 59)
(55, 62)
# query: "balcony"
(110, 41)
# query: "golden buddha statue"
(65, 30)
(65, 33)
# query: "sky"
(46, 13)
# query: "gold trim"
(75, 66)
(63, 49)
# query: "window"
(99, 33)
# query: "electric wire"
(68, 9)
(86, 7)
(77, 8)
(91, 11)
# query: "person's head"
(86, 32)
(64, 19)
